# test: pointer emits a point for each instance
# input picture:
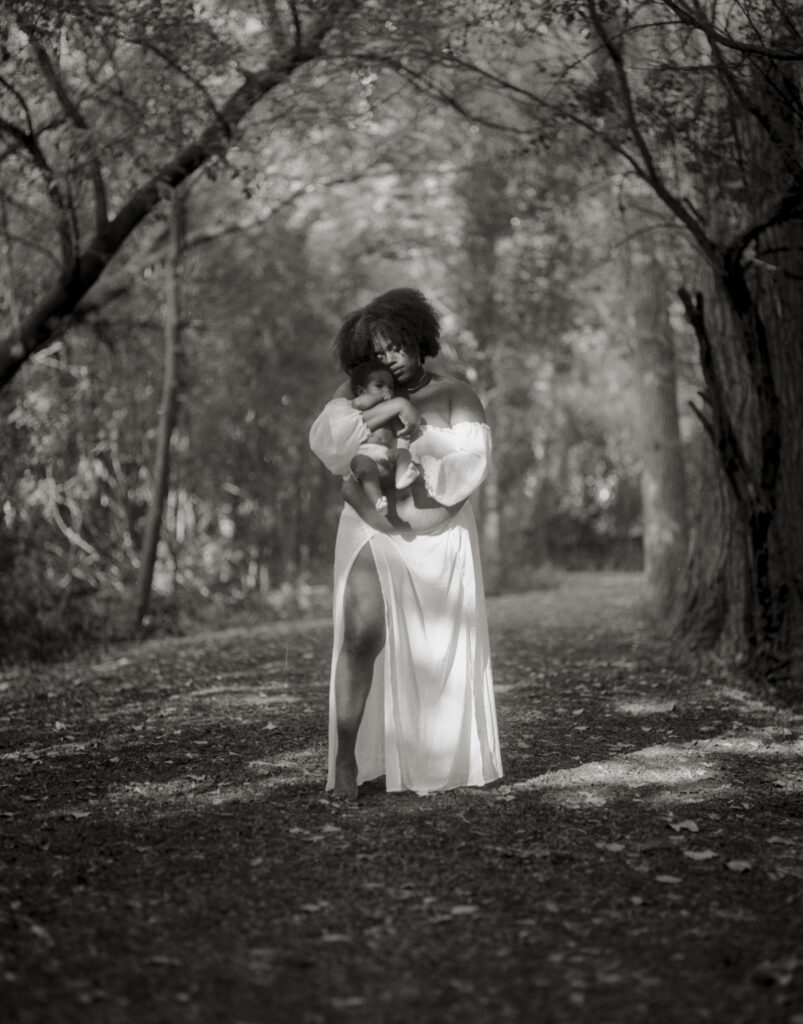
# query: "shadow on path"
(168, 856)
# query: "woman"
(411, 694)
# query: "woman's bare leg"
(363, 639)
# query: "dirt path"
(167, 856)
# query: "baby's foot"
(405, 477)
(381, 505)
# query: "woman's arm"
(361, 503)
(451, 478)
(337, 433)
(384, 412)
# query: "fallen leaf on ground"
(688, 826)
(776, 972)
(42, 933)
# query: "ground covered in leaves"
(167, 854)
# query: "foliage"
(699, 103)
(339, 188)
(499, 158)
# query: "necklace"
(424, 379)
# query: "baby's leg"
(366, 471)
(406, 469)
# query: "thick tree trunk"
(663, 479)
(169, 409)
(753, 367)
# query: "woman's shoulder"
(464, 403)
(447, 384)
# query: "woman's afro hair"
(401, 316)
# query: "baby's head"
(372, 378)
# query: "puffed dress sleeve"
(451, 477)
(336, 434)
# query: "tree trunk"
(753, 367)
(487, 219)
(663, 476)
(169, 408)
(491, 535)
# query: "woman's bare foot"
(345, 787)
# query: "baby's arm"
(384, 412)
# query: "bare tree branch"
(296, 22)
(39, 326)
(648, 168)
(27, 141)
(171, 62)
(699, 21)
(780, 141)
(72, 111)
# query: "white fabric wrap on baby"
(454, 460)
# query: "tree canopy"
(521, 162)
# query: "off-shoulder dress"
(430, 718)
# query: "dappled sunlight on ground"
(693, 771)
(644, 841)
(240, 697)
(648, 706)
(191, 789)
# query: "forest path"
(167, 854)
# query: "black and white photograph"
(401, 512)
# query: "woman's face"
(403, 364)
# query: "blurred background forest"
(602, 200)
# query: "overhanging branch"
(65, 294)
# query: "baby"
(383, 461)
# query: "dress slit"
(429, 722)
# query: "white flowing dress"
(430, 718)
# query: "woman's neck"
(421, 381)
